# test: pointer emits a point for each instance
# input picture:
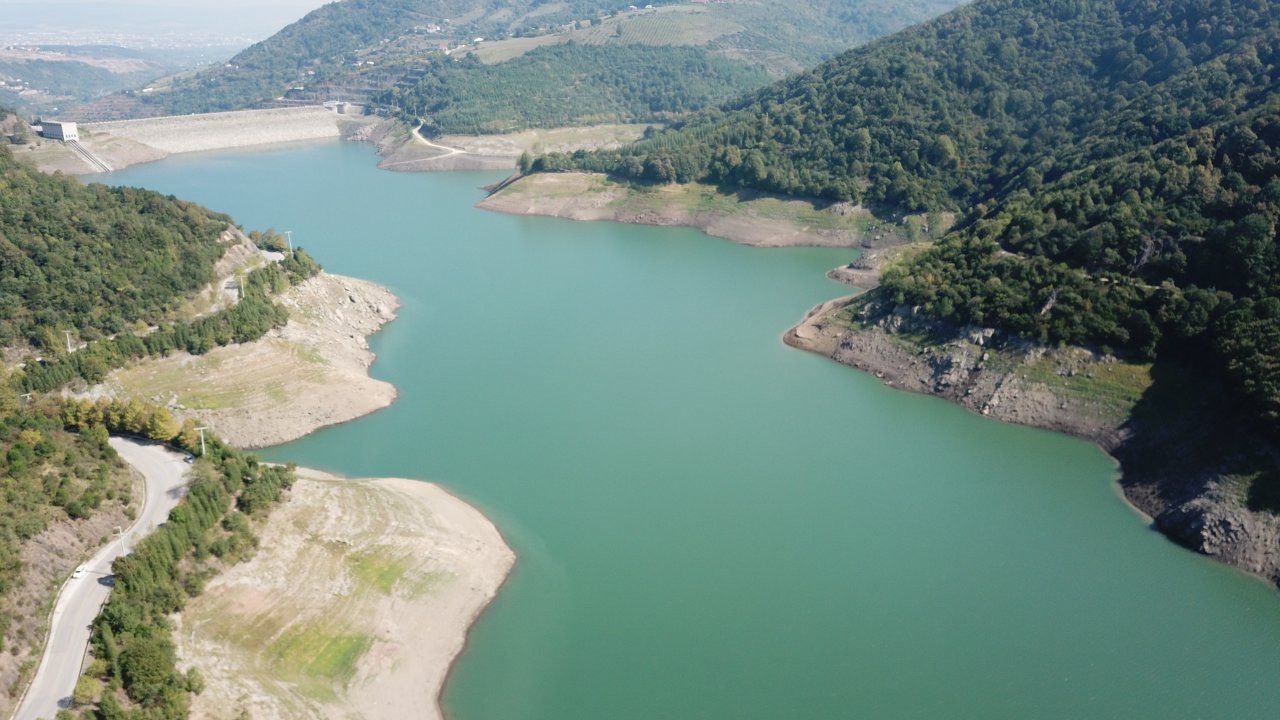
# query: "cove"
(713, 525)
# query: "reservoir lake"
(713, 525)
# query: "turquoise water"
(713, 525)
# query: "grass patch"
(214, 400)
(276, 392)
(319, 653)
(492, 52)
(425, 583)
(1253, 481)
(378, 569)
(1262, 491)
(1115, 386)
(670, 25)
(253, 632)
(221, 380)
(553, 185)
(310, 355)
(539, 141)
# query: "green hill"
(50, 476)
(357, 49)
(93, 259)
(1115, 163)
(573, 84)
(111, 265)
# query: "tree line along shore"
(64, 392)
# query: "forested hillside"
(49, 475)
(572, 84)
(98, 261)
(93, 259)
(948, 113)
(353, 49)
(1115, 163)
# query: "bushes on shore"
(248, 320)
(136, 658)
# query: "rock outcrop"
(1182, 471)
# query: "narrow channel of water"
(710, 524)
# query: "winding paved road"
(77, 605)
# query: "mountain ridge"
(354, 49)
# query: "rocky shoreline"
(961, 368)
(1164, 472)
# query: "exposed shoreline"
(752, 218)
(387, 575)
(406, 150)
(1080, 392)
(403, 566)
(1193, 506)
(310, 374)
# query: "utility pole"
(68, 332)
(202, 429)
(26, 396)
(288, 237)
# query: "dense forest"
(572, 84)
(48, 474)
(92, 259)
(1115, 164)
(947, 114)
(249, 319)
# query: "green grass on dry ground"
(320, 652)
(1116, 387)
(378, 568)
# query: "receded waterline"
(711, 524)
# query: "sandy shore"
(357, 602)
(749, 218)
(312, 373)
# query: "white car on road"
(80, 571)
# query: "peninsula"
(355, 605)
(260, 347)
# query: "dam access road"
(164, 478)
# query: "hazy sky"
(79, 20)
(299, 6)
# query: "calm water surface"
(710, 524)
